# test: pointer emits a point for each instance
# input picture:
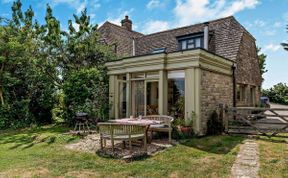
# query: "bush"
(86, 91)
(214, 124)
(277, 94)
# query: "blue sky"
(264, 19)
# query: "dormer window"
(190, 42)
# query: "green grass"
(273, 157)
(41, 153)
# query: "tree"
(39, 62)
(285, 45)
(262, 62)
(25, 92)
(278, 93)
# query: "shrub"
(214, 124)
(277, 94)
(86, 91)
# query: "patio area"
(91, 143)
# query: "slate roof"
(224, 39)
(114, 34)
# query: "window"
(190, 42)
(241, 93)
(159, 50)
(176, 93)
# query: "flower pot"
(185, 129)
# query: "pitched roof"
(114, 34)
(225, 39)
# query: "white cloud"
(191, 11)
(155, 26)
(155, 4)
(75, 25)
(272, 47)
(259, 23)
(277, 24)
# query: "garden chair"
(164, 126)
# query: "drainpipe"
(206, 35)
(234, 84)
(133, 47)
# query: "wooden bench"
(165, 125)
(123, 132)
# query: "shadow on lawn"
(27, 138)
(220, 144)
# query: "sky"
(266, 20)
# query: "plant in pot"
(185, 126)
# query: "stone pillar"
(128, 95)
(192, 98)
(163, 93)
(112, 81)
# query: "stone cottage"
(185, 72)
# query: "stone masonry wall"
(247, 71)
(215, 89)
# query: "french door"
(144, 97)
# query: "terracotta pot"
(185, 129)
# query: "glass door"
(137, 98)
(151, 101)
(122, 99)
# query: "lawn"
(40, 153)
(273, 157)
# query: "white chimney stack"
(206, 35)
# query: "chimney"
(127, 23)
(206, 35)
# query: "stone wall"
(215, 89)
(247, 71)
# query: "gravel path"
(247, 161)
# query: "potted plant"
(186, 125)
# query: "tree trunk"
(1, 96)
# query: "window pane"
(191, 41)
(183, 44)
(137, 94)
(176, 74)
(190, 46)
(198, 42)
(152, 74)
(152, 98)
(176, 93)
(122, 99)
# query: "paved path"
(247, 161)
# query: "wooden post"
(222, 116)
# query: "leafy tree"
(262, 62)
(285, 45)
(83, 70)
(23, 86)
(41, 62)
(278, 93)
